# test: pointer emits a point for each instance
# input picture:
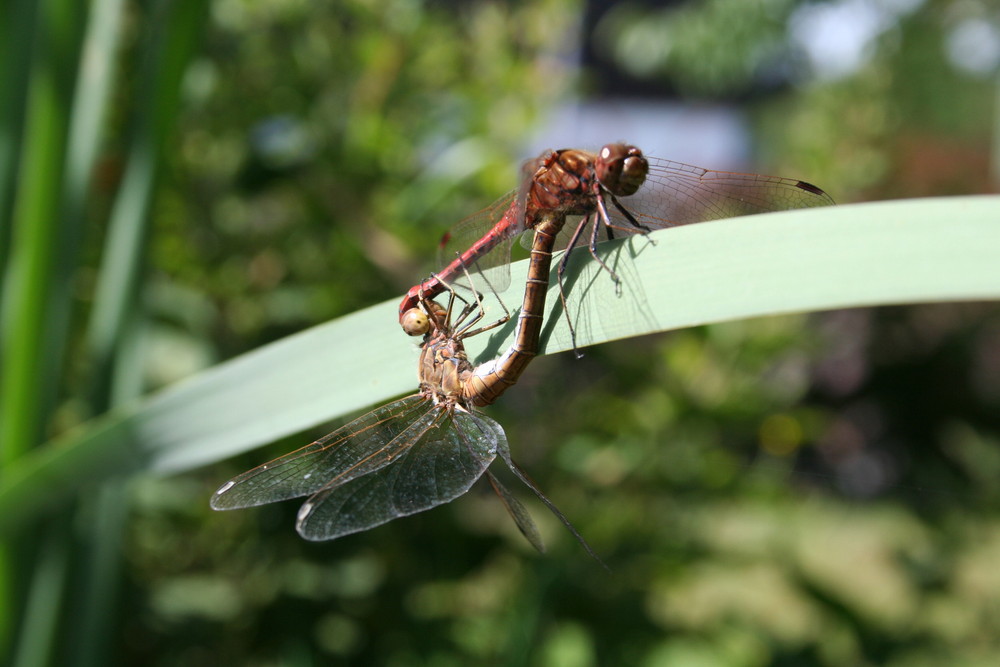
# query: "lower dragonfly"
(415, 453)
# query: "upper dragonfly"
(617, 188)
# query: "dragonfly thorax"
(444, 369)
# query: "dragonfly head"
(415, 322)
(621, 169)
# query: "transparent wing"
(518, 513)
(368, 443)
(679, 194)
(504, 451)
(482, 243)
(437, 468)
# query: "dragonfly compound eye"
(621, 169)
(415, 322)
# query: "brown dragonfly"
(618, 189)
(410, 455)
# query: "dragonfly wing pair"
(402, 458)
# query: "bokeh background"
(799, 490)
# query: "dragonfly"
(618, 189)
(410, 455)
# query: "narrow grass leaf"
(860, 255)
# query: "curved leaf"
(858, 255)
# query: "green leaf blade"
(859, 255)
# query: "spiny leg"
(627, 214)
(563, 263)
(506, 312)
(593, 245)
(464, 330)
(453, 295)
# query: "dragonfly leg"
(593, 246)
(627, 214)
(462, 328)
(565, 306)
(506, 311)
(563, 263)
(467, 309)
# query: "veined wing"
(438, 467)
(362, 446)
(483, 240)
(518, 513)
(679, 194)
(504, 451)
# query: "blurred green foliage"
(330, 146)
(794, 490)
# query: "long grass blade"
(17, 26)
(45, 597)
(884, 253)
(169, 45)
(28, 284)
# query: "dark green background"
(815, 489)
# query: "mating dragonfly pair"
(429, 448)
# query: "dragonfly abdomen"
(491, 379)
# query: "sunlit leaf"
(882, 253)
